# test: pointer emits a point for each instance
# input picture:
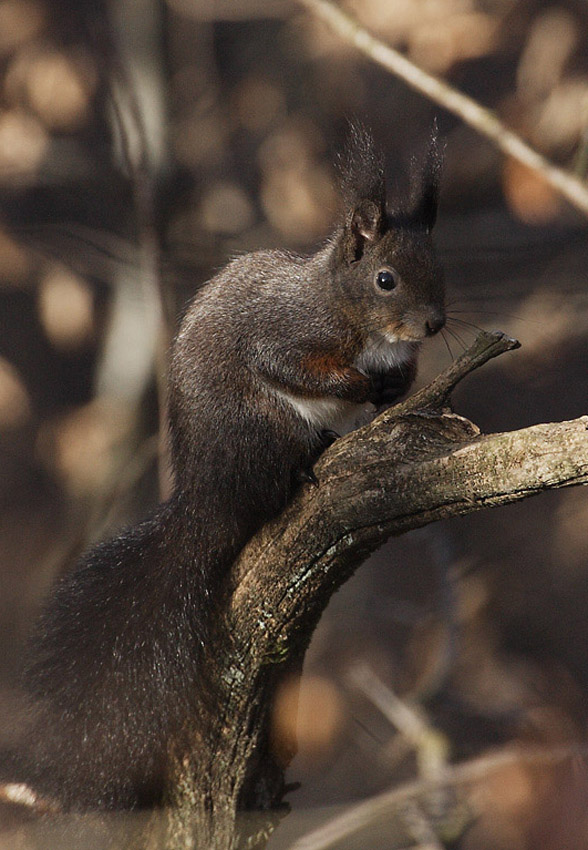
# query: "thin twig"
(486, 346)
(481, 119)
(431, 746)
(19, 794)
(420, 827)
(477, 770)
(431, 749)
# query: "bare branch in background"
(384, 805)
(141, 325)
(481, 119)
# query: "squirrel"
(276, 355)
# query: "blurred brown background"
(480, 621)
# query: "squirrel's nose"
(434, 323)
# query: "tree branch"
(470, 111)
(408, 470)
(486, 346)
(412, 465)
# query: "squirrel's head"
(385, 267)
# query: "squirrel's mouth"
(417, 326)
(401, 333)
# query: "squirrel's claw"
(328, 437)
(307, 476)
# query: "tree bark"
(417, 462)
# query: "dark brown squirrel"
(276, 355)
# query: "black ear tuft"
(361, 170)
(426, 176)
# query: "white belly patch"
(328, 412)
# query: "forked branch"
(416, 463)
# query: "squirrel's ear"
(426, 178)
(366, 220)
(361, 170)
(364, 224)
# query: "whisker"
(456, 337)
(443, 337)
(466, 325)
(486, 297)
(497, 313)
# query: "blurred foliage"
(481, 622)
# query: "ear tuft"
(361, 169)
(425, 179)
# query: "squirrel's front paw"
(388, 387)
(327, 437)
(307, 476)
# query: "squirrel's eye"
(386, 280)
